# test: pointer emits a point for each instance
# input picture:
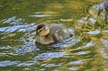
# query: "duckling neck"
(44, 36)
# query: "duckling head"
(42, 30)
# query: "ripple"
(76, 62)
(50, 65)
(50, 55)
(90, 44)
(66, 20)
(9, 20)
(66, 43)
(82, 52)
(27, 48)
(27, 63)
(6, 47)
(7, 63)
(39, 16)
(105, 42)
(23, 28)
(92, 20)
(105, 31)
(96, 32)
(73, 68)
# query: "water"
(87, 50)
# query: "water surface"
(87, 50)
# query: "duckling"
(51, 33)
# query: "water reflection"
(7, 63)
(85, 51)
(50, 55)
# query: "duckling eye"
(40, 29)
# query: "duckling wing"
(58, 32)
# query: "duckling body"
(55, 33)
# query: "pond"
(87, 50)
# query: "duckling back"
(58, 32)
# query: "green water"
(18, 20)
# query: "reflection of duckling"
(47, 34)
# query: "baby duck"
(51, 33)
